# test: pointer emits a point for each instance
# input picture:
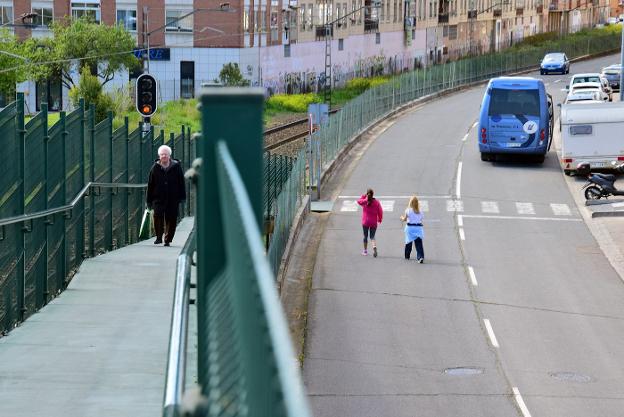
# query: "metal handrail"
(82, 193)
(176, 358)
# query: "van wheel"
(568, 172)
(540, 159)
(486, 156)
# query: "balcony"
(519, 11)
(443, 18)
(371, 25)
(539, 9)
(497, 13)
(472, 14)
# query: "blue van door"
(514, 120)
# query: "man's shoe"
(167, 244)
(157, 241)
(374, 252)
(420, 260)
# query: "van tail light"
(568, 160)
(483, 135)
(620, 158)
(542, 135)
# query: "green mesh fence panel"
(35, 200)
(11, 244)
(56, 198)
(119, 198)
(103, 173)
(50, 170)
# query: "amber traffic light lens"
(146, 109)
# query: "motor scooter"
(599, 185)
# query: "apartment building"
(282, 44)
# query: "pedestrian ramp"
(100, 347)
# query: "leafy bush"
(359, 85)
(90, 90)
(294, 102)
(231, 75)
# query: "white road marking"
(387, 205)
(460, 220)
(465, 137)
(474, 124)
(454, 205)
(458, 181)
(397, 197)
(490, 332)
(423, 205)
(462, 236)
(520, 402)
(481, 216)
(349, 205)
(473, 278)
(490, 207)
(560, 209)
(617, 205)
(525, 208)
(557, 81)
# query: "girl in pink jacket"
(372, 214)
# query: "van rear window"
(504, 101)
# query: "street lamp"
(328, 33)
(223, 7)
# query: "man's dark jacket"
(165, 187)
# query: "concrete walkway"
(100, 348)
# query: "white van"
(591, 133)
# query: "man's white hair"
(164, 148)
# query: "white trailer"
(591, 133)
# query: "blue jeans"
(420, 252)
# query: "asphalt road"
(515, 312)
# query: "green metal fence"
(73, 190)
(246, 364)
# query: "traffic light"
(146, 100)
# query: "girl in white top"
(414, 232)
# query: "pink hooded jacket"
(371, 214)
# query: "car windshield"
(553, 57)
(503, 101)
(588, 79)
(611, 72)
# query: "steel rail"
(71, 205)
(285, 141)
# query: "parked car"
(584, 97)
(555, 62)
(612, 74)
(591, 87)
(592, 77)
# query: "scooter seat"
(606, 177)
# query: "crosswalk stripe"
(560, 209)
(490, 207)
(387, 205)
(525, 208)
(454, 205)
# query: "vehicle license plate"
(513, 145)
(597, 164)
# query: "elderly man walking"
(165, 191)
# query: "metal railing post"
(110, 224)
(63, 122)
(127, 178)
(92, 179)
(21, 134)
(46, 193)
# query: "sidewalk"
(100, 348)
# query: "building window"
(127, 19)
(341, 44)
(6, 15)
(91, 10)
(302, 16)
(44, 16)
(49, 91)
(246, 19)
(377, 38)
(286, 50)
(175, 24)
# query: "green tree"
(90, 89)
(12, 68)
(105, 50)
(231, 75)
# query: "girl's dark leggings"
(420, 252)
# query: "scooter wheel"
(593, 193)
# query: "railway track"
(287, 136)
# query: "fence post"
(82, 175)
(64, 194)
(21, 134)
(110, 224)
(46, 192)
(233, 115)
(127, 178)
(92, 179)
